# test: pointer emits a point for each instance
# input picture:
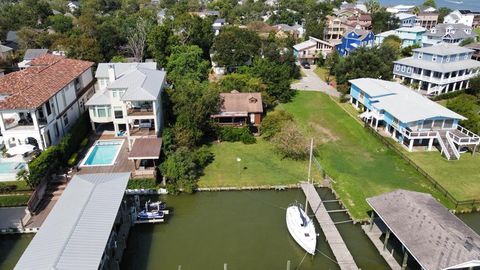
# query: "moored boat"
(301, 228)
(152, 210)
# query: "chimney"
(111, 73)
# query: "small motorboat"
(153, 210)
(301, 228)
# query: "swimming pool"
(8, 170)
(103, 153)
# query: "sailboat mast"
(309, 172)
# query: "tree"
(186, 62)
(376, 62)
(159, 43)
(408, 51)
(118, 59)
(60, 23)
(382, 21)
(137, 39)
(276, 76)
(290, 143)
(466, 106)
(394, 42)
(80, 47)
(273, 123)
(192, 104)
(467, 41)
(314, 28)
(235, 47)
(373, 6)
(430, 3)
(241, 83)
(442, 12)
(474, 88)
(184, 167)
(193, 30)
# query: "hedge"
(233, 134)
(448, 95)
(145, 183)
(54, 157)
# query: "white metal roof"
(140, 84)
(304, 45)
(76, 231)
(121, 68)
(401, 102)
(403, 16)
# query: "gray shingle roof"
(459, 31)
(439, 67)
(443, 49)
(76, 231)
(100, 98)
(401, 102)
(31, 54)
(436, 238)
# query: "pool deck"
(122, 164)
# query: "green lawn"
(259, 165)
(361, 165)
(323, 74)
(460, 177)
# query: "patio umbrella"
(20, 149)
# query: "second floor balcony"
(140, 109)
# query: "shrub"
(72, 161)
(145, 183)
(184, 167)
(44, 165)
(273, 122)
(448, 95)
(233, 134)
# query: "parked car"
(305, 65)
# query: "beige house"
(427, 19)
(311, 50)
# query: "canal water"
(246, 230)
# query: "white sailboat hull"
(305, 236)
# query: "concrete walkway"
(311, 82)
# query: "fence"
(466, 203)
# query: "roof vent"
(252, 100)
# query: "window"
(397, 67)
(409, 70)
(448, 59)
(457, 57)
(65, 119)
(466, 56)
(64, 98)
(102, 112)
(427, 124)
(420, 55)
(403, 68)
(118, 112)
(434, 58)
(57, 132)
(47, 106)
(448, 123)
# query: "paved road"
(311, 82)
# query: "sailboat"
(299, 224)
(301, 228)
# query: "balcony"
(142, 132)
(143, 111)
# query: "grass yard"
(323, 74)
(259, 165)
(460, 177)
(361, 165)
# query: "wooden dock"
(333, 237)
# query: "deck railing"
(443, 147)
(471, 138)
(452, 145)
(471, 204)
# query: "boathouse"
(426, 233)
(87, 228)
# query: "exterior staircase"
(447, 146)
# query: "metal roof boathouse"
(87, 228)
(428, 232)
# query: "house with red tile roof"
(39, 104)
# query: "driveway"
(311, 82)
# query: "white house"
(39, 104)
(437, 69)
(448, 34)
(311, 50)
(406, 19)
(129, 100)
(400, 8)
(465, 17)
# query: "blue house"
(354, 39)
(411, 119)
